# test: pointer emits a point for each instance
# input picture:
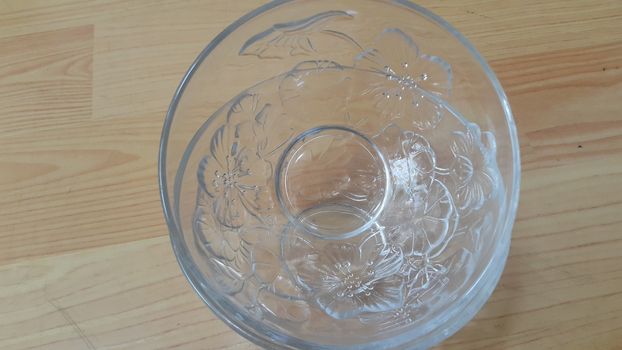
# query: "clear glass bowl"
(340, 175)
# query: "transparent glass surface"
(340, 175)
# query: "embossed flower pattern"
(226, 250)
(223, 242)
(426, 236)
(347, 279)
(456, 268)
(421, 268)
(411, 160)
(233, 173)
(411, 80)
(474, 169)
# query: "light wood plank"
(45, 79)
(85, 262)
(92, 300)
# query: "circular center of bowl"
(333, 181)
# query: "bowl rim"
(178, 244)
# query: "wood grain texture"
(85, 261)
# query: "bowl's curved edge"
(178, 244)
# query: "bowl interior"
(340, 174)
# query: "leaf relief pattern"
(292, 38)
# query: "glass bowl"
(340, 175)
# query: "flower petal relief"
(347, 278)
(474, 169)
(226, 251)
(425, 238)
(233, 173)
(430, 259)
(411, 160)
(412, 82)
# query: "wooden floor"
(85, 260)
